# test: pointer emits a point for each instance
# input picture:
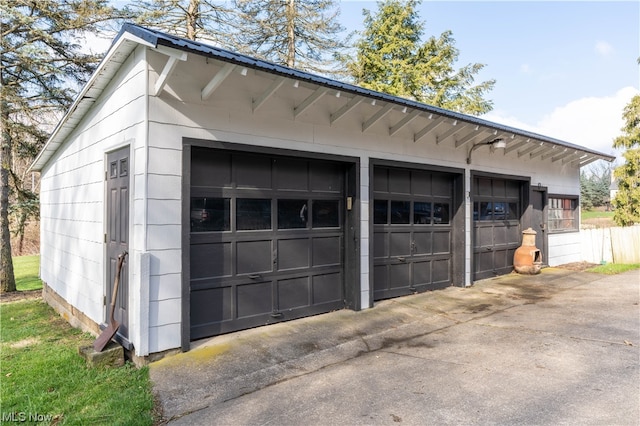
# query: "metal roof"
(131, 35)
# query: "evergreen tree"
(586, 192)
(627, 200)
(205, 20)
(391, 58)
(594, 185)
(303, 34)
(42, 66)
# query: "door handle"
(255, 276)
(401, 259)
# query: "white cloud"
(603, 48)
(525, 68)
(592, 122)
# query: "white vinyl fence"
(611, 245)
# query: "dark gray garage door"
(267, 239)
(412, 237)
(497, 207)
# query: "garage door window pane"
(253, 214)
(292, 214)
(400, 211)
(326, 214)
(513, 211)
(380, 212)
(440, 213)
(499, 210)
(421, 213)
(482, 210)
(210, 214)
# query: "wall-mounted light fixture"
(496, 143)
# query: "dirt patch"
(24, 343)
(577, 266)
(20, 295)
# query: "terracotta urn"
(528, 259)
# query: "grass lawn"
(42, 377)
(26, 270)
(614, 268)
(594, 214)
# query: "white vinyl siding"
(564, 248)
(72, 192)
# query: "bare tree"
(303, 34)
(193, 19)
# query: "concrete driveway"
(561, 347)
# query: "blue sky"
(563, 69)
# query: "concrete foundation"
(74, 316)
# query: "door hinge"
(104, 300)
(105, 238)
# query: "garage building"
(248, 193)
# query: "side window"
(563, 213)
